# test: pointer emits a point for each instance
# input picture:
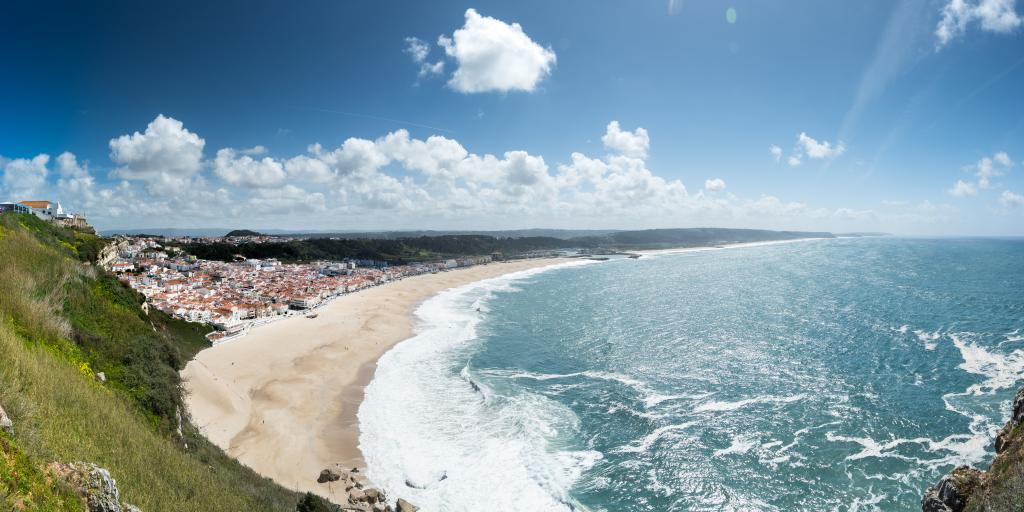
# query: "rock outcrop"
(953, 491)
(359, 495)
(405, 506)
(328, 475)
(1005, 436)
(94, 484)
(6, 424)
(1002, 486)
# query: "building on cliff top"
(49, 211)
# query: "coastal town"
(235, 296)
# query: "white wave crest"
(929, 339)
(739, 446)
(428, 434)
(714, 406)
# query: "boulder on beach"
(405, 506)
(328, 475)
(373, 495)
(356, 496)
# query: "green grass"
(25, 486)
(61, 320)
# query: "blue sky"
(911, 114)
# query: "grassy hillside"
(62, 321)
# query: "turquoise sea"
(844, 374)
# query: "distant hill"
(564, 234)
(243, 232)
(859, 234)
(692, 237)
(401, 247)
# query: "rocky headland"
(1000, 488)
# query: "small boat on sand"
(314, 315)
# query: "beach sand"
(283, 399)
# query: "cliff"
(999, 489)
(92, 405)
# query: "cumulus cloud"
(305, 168)
(75, 183)
(808, 147)
(288, 198)
(632, 144)
(714, 185)
(997, 16)
(244, 171)
(165, 157)
(814, 149)
(398, 181)
(492, 55)
(963, 189)
(1011, 199)
(419, 50)
(1003, 159)
(254, 151)
(25, 177)
(985, 169)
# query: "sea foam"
(443, 439)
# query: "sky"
(903, 117)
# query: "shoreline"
(308, 376)
(283, 399)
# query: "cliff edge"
(999, 489)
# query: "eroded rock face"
(94, 484)
(1004, 438)
(953, 491)
(5, 422)
(360, 497)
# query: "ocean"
(843, 374)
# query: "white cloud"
(1011, 199)
(997, 16)
(288, 198)
(75, 185)
(814, 149)
(25, 177)
(793, 160)
(245, 171)
(165, 157)
(988, 168)
(632, 144)
(254, 151)
(427, 68)
(419, 50)
(304, 168)
(714, 185)
(776, 152)
(962, 189)
(399, 182)
(1003, 159)
(492, 55)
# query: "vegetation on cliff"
(63, 322)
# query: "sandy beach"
(283, 399)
